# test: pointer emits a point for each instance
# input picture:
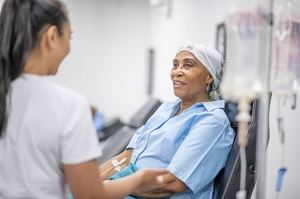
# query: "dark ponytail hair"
(21, 23)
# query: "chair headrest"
(231, 110)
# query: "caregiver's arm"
(84, 182)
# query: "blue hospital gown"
(193, 145)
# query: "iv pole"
(263, 116)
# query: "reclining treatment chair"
(118, 141)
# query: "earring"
(208, 88)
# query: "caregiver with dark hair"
(47, 138)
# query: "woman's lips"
(177, 83)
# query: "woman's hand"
(171, 185)
(151, 179)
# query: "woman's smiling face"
(190, 78)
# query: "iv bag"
(246, 64)
(285, 71)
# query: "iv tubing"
(244, 118)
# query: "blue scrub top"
(193, 145)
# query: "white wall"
(108, 58)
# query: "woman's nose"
(178, 71)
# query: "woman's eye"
(175, 66)
(188, 65)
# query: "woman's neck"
(35, 64)
(187, 103)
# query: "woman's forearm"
(107, 168)
(173, 186)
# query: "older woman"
(191, 136)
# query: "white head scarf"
(210, 58)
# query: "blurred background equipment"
(246, 78)
(119, 139)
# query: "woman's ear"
(51, 37)
(209, 79)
